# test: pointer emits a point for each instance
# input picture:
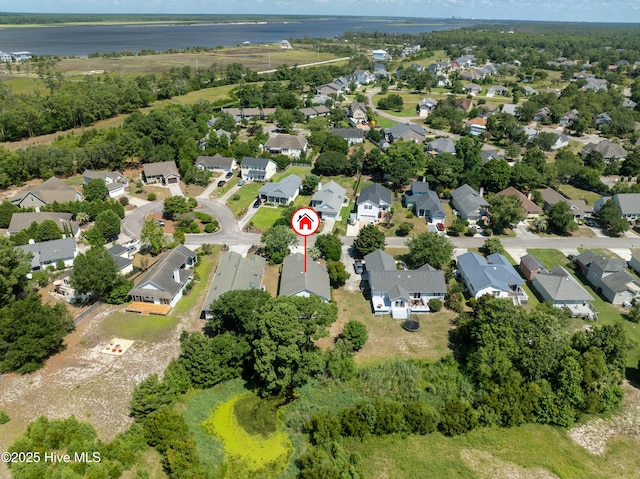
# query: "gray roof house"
(295, 282)
(282, 192)
(161, 172)
(406, 132)
(51, 252)
(46, 193)
(634, 262)
(530, 266)
(235, 272)
(608, 150)
(352, 135)
(441, 145)
(290, 145)
(610, 276)
(257, 169)
(122, 256)
(115, 181)
(373, 201)
(425, 202)
(563, 291)
(469, 203)
(579, 208)
(493, 275)
(216, 162)
(329, 199)
(629, 204)
(401, 292)
(21, 221)
(165, 282)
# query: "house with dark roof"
(471, 88)
(165, 172)
(634, 262)
(405, 132)
(510, 109)
(216, 162)
(497, 90)
(257, 169)
(357, 112)
(115, 181)
(373, 202)
(283, 192)
(51, 253)
(531, 209)
(165, 282)
(628, 203)
(608, 149)
(20, 221)
(441, 145)
(234, 272)
(561, 289)
(123, 255)
(292, 146)
(610, 276)
(579, 208)
(328, 89)
(494, 276)
(425, 107)
(530, 266)
(469, 203)
(352, 135)
(295, 282)
(402, 292)
(425, 202)
(50, 191)
(329, 200)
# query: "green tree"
(560, 218)
(108, 223)
(153, 235)
(330, 163)
(30, 332)
(277, 241)
(14, 266)
(309, 184)
(338, 275)
(505, 210)
(95, 190)
(237, 312)
(7, 209)
(330, 246)
(611, 219)
(496, 175)
(94, 272)
(491, 246)
(393, 101)
(355, 333)
(175, 205)
(429, 248)
(48, 230)
(369, 239)
(149, 396)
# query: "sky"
(627, 11)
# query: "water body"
(67, 41)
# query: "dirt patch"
(486, 465)
(595, 433)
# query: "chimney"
(424, 179)
(481, 191)
(176, 275)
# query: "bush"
(435, 304)
(404, 229)
(235, 197)
(152, 196)
(192, 202)
(4, 417)
(355, 332)
(124, 201)
(211, 227)
(203, 217)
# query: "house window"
(368, 207)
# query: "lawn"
(138, 328)
(531, 451)
(75, 180)
(578, 194)
(248, 194)
(299, 170)
(265, 217)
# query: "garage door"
(172, 180)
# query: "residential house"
(562, 140)
(583, 261)
(292, 146)
(374, 201)
(489, 154)
(285, 45)
(493, 275)
(294, 281)
(569, 118)
(610, 276)
(165, 172)
(283, 192)
(165, 282)
(216, 162)
(257, 169)
(376, 262)
(425, 202)
(405, 132)
(634, 262)
(352, 135)
(250, 114)
(628, 203)
(471, 88)
(579, 208)
(51, 253)
(469, 203)
(123, 256)
(402, 293)
(5, 57)
(530, 266)
(608, 149)
(46, 193)
(603, 119)
(314, 111)
(542, 114)
(234, 272)
(477, 125)
(629, 103)
(441, 145)
(381, 56)
(425, 107)
(531, 209)
(20, 56)
(497, 90)
(115, 181)
(529, 91)
(561, 289)
(472, 75)
(21, 221)
(357, 113)
(595, 84)
(328, 89)
(464, 104)
(329, 200)
(236, 113)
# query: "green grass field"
(265, 217)
(138, 328)
(578, 194)
(248, 194)
(299, 170)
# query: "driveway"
(175, 189)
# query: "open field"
(265, 217)
(248, 194)
(578, 194)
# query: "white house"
(373, 202)
(257, 169)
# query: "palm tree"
(82, 218)
(540, 224)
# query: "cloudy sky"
(559, 10)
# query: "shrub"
(355, 332)
(435, 304)
(211, 227)
(152, 196)
(203, 217)
(4, 417)
(124, 201)
(192, 202)
(404, 229)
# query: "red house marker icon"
(305, 222)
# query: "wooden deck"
(148, 308)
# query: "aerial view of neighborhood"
(383, 253)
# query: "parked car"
(440, 226)
(229, 174)
(358, 266)
(221, 183)
(257, 203)
(241, 182)
(160, 223)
